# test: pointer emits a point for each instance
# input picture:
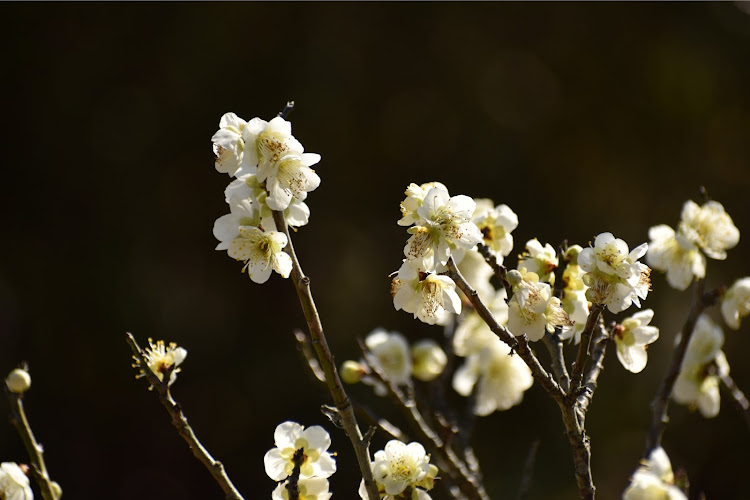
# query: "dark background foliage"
(583, 118)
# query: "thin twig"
(500, 271)
(519, 344)
(740, 401)
(468, 482)
(554, 345)
(33, 448)
(179, 421)
(340, 398)
(660, 404)
(528, 471)
(307, 351)
(591, 380)
(584, 350)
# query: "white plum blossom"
(614, 275)
(293, 439)
(502, 377)
(444, 227)
(261, 252)
(533, 310)
(654, 480)
(400, 466)
(675, 254)
(697, 384)
(161, 358)
(735, 304)
(228, 143)
(631, 338)
(266, 143)
(709, 227)
(472, 333)
(496, 224)
(247, 189)
(227, 227)
(539, 259)
(574, 301)
(390, 356)
(428, 296)
(290, 177)
(414, 198)
(428, 360)
(14, 484)
(314, 488)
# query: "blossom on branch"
(14, 483)
(428, 360)
(735, 304)
(400, 468)
(390, 356)
(228, 143)
(414, 198)
(709, 227)
(496, 224)
(314, 488)
(428, 296)
(539, 259)
(261, 251)
(161, 358)
(632, 338)
(574, 301)
(533, 309)
(676, 255)
(654, 480)
(293, 439)
(614, 275)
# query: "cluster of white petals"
(444, 227)
(161, 358)
(309, 446)
(539, 259)
(654, 480)
(678, 253)
(735, 304)
(574, 301)
(632, 337)
(314, 488)
(614, 275)
(697, 384)
(495, 223)
(272, 174)
(414, 198)
(399, 468)
(533, 309)
(427, 295)
(14, 484)
(503, 377)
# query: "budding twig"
(50, 491)
(340, 398)
(180, 422)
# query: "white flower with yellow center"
(709, 227)
(400, 466)
(735, 304)
(428, 360)
(533, 310)
(613, 274)
(676, 255)
(390, 355)
(261, 252)
(228, 143)
(414, 198)
(444, 227)
(227, 227)
(14, 484)
(247, 189)
(314, 488)
(654, 480)
(161, 358)
(290, 177)
(310, 447)
(539, 259)
(631, 339)
(697, 384)
(266, 143)
(428, 296)
(496, 224)
(502, 378)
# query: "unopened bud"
(428, 360)
(56, 489)
(514, 277)
(18, 381)
(352, 372)
(571, 254)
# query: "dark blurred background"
(583, 118)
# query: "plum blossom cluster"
(271, 173)
(14, 483)
(300, 461)
(706, 229)
(402, 472)
(654, 479)
(697, 384)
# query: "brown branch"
(49, 489)
(519, 344)
(738, 397)
(555, 347)
(584, 349)
(500, 271)
(660, 404)
(469, 483)
(340, 398)
(179, 421)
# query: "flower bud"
(428, 360)
(352, 372)
(56, 489)
(571, 254)
(18, 381)
(514, 277)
